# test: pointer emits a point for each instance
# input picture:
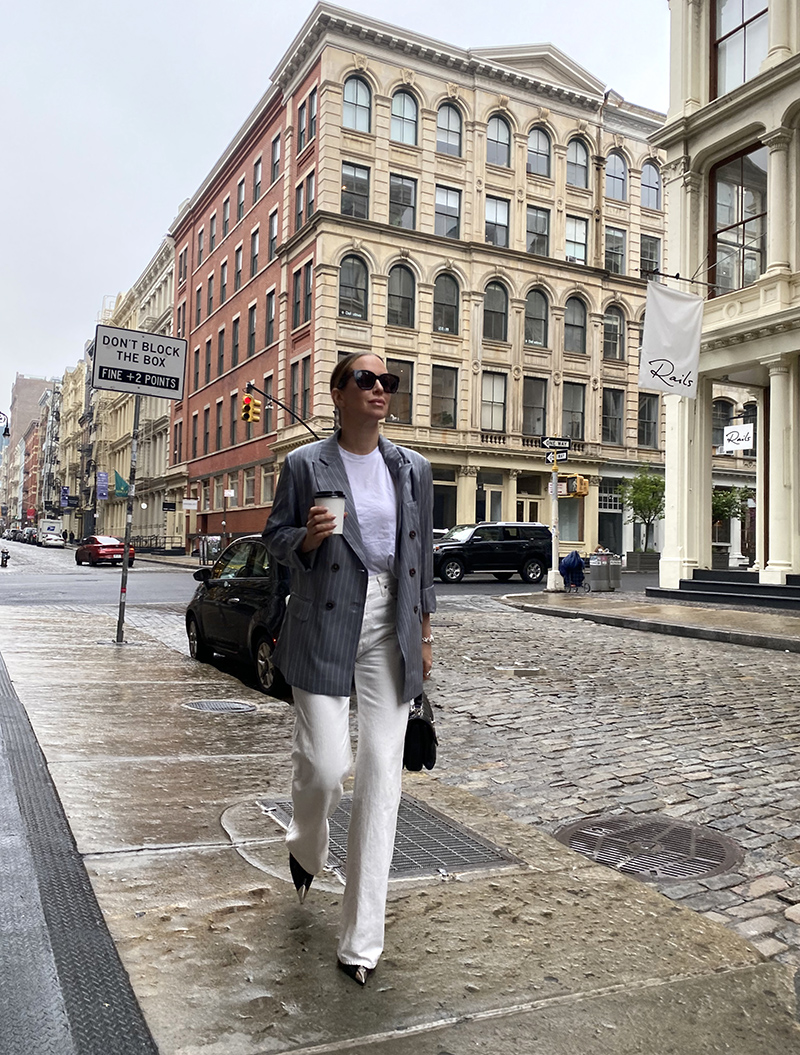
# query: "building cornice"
(733, 109)
(355, 29)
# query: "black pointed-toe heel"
(356, 971)
(300, 877)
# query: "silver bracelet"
(427, 640)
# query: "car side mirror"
(202, 574)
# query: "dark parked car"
(499, 548)
(94, 549)
(238, 609)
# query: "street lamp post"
(6, 430)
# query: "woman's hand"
(319, 525)
(427, 659)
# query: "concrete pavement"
(554, 955)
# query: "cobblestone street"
(555, 720)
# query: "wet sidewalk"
(738, 626)
(550, 954)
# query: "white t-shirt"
(374, 495)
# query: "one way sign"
(551, 457)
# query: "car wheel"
(92, 563)
(452, 570)
(532, 571)
(130, 563)
(502, 576)
(269, 678)
(198, 649)
(78, 561)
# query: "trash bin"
(614, 569)
(599, 563)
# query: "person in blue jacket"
(358, 614)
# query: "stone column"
(779, 33)
(779, 456)
(466, 493)
(687, 517)
(510, 494)
(778, 206)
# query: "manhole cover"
(221, 706)
(652, 848)
(426, 843)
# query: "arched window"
(577, 163)
(575, 326)
(498, 142)
(613, 334)
(538, 152)
(357, 106)
(536, 319)
(353, 288)
(721, 416)
(448, 130)
(651, 186)
(616, 177)
(445, 304)
(495, 312)
(404, 118)
(400, 311)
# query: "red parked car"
(97, 548)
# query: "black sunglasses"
(365, 379)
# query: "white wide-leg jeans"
(322, 759)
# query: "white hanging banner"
(670, 350)
(737, 437)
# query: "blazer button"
(334, 567)
(416, 609)
(329, 604)
(412, 534)
(412, 571)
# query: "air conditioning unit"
(574, 260)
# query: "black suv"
(238, 609)
(499, 548)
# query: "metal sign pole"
(123, 589)
(554, 583)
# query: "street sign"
(169, 507)
(556, 443)
(190, 503)
(138, 362)
(556, 456)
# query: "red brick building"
(245, 248)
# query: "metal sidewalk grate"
(426, 844)
(652, 847)
(220, 706)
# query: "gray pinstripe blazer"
(317, 645)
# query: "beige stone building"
(147, 306)
(733, 152)
(481, 218)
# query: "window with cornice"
(741, 42)
(738, 194)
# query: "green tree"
(643, 500)
(729, 503)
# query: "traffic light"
(577, 485)
(255, 409)
(247, 408)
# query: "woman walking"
(358, 613)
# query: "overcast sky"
(113, 112)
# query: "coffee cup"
(333, 501)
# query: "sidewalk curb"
(653, 626)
